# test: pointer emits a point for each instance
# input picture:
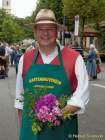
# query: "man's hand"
(71, 109)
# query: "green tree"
(25, 24)
(14, 29)
(2, 16)
(11, 31)
(89, 10)
(56, 6)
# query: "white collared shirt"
(81, 95)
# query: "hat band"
(45, 21)
(45, 18)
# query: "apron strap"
(35, 56)
(59, 55)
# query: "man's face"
(46, 34)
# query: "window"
(7, 3)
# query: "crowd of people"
(9, 55)
(5, 51)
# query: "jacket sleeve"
(81, 95)
(19, 86)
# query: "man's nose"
(45, 32)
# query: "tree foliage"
(88, 10)
(13, 29)
(102, 38)
(56, 6)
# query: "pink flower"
(48, 100)
(47, 109)
(56, 123)
(42, 114)
(51, 117)
(57, 111)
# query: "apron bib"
(54, 78)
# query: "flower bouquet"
(45, 110)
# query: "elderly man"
(51, 60)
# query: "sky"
(22, 8)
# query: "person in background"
(30, 47)
(91, 63)
(2, 61)
(17, 56)
(98, 62)
(52, 60)
(8, 51)
(12, 55)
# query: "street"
(8, 117)
(91, 124)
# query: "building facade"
(6, 5)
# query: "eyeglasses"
(49, 29)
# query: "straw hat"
(45, 16)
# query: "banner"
(76, 30)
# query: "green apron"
(57, 84)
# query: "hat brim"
(45, 22)
(59, 26)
